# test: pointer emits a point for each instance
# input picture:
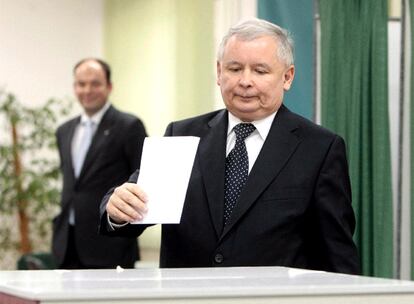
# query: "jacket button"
(218, 258)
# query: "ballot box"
(200, 285)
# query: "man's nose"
(87, 88)
(246, 79)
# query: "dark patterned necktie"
(237, 169)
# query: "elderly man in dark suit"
(99, 149)
(268, 187)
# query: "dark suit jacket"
(114, 154)
(295, 209)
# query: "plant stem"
(25, 245)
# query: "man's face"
(252, 79)
(91, 86)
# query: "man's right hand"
(127, 204)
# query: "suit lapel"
(280, 144)
(98, 140)
(212, 149)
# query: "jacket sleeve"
(335, 219)
(129, 230)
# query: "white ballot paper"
(166, 166)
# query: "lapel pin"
(106, 132)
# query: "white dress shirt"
(80, 128)
(254, 142)
(76, 140)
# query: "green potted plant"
(29, 172)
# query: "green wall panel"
(298, 18)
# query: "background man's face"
(251, 77)
(91, 86)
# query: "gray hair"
(255, 28)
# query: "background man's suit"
(114, 154)
(295, 209)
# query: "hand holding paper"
(165, 170)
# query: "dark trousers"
(72, 260)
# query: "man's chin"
(246, 114)
(91, 108)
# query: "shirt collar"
(262, 126)
(97, 117)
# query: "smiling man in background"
(98, 149)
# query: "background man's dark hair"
(106, 68)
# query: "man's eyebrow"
(231, 62)
(262, 65)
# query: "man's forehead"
(239, 50)
(89, 65)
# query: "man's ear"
(218, 72)
(288, 77)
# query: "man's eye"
(261, 72)
(234, 69)
(96, 84)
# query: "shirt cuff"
(113, 226)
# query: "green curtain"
(354, 103)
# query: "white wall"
(41, 40)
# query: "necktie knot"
(88, 123)
(243, 130)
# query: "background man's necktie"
(84, 144)
(237, 169)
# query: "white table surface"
(198, 284)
